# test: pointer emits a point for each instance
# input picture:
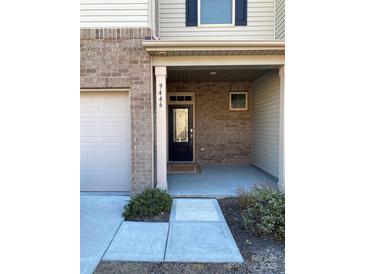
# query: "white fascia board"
(209, 43)
(237, 60)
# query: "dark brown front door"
(180, 133)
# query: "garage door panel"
(88, 128)
(88, 115)
(114, 128)
(105, 154)
(105, 142)
(88, 154)
(110, 178)
(88, 103)
(113, 104)
(105, 127)
(107, 165)
(112, 154)
(104, 104)
(85, 140)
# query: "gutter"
(208, 43)
(212, 45)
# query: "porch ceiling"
(222, 74)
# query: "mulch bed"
(163, 217)
(260, 255)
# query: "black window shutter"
(191, 12)
(241, 13)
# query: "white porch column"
(281, 132)
(161, 127)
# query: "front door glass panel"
(180, 125)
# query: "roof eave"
(158, 46)
(259, 44)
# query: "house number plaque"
(160, 95)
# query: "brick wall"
(224, 135)
(115, 58)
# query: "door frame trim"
(192, 102)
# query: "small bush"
(263, 212)
(149, 203)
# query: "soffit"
(221, 74)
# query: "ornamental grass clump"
(149, 203)
(263, 212)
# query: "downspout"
(275, 19)
(153, 16)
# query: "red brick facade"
(115, 58)
(222, 137)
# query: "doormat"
(183, 168)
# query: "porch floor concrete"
(218, 181)
(100, 218)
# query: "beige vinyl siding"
(280, 20)
(114, 13)
(260, 23)
(265, 122)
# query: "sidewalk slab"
(201, 242)
(100, 217)
(139, 241)
(196, 210)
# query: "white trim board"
(249, 60)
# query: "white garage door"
(105, 141)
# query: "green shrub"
(149, 203)
(263, 212)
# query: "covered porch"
(223, 113)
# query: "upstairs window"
(216, 12)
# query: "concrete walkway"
(197, 232)
(100, 218)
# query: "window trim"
(219, 25)
(230, 101)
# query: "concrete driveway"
(100, 218)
